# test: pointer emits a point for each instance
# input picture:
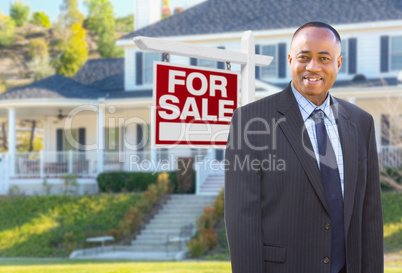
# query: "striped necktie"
(332, 186)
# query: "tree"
(7, 30)
(101, 21)
(124, 24)
(72, 47)
(19, 13)
(40, 18)
(70, 14)
(74, 51)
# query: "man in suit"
(302, 191)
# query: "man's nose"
(313, 65)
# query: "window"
(67, 145)
(344, 54)
(206, 63)
(112, 137)
(149, 59)
(269, 71)
(396, 53)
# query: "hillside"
(14, 59)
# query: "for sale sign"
(193, 105)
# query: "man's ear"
(289, 58)
(339, 60)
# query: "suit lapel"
(294, 131)
(349, 142)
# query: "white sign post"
(246, 58)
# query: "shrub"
(131, 220)
(69, 242)
(131, 181)
(219, 206)
(206, 223)
(210, 238)
(41, 68)
(37, 48)
(40, 18)
(70, 184)
(196, 247)
(7, 30)
(148, 198)
(19, 13)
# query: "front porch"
(30, 170)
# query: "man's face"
(314, 61)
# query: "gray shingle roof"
(358, 82)
(53, 87)
(60, 87)
(103, 74)
(220, 16)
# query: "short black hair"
(318, 25)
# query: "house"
(99, 120)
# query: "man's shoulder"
(266, 104)
(353, 111)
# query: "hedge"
(137, 181)
(128, 181)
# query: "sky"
(121, 7)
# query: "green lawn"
(91, 266)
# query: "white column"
(101, 136)
(248, 69)
(12, 136)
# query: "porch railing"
(84, 164)
(390, 156)
(54, 164)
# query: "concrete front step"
(189, 202)
(169, 216)
(179, 210)
(213, 185)
(177, 222)
(183, 208)
(217, 186)
(159, 248)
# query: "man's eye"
(303, 57)
(325, 58)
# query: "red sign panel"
(193, 105)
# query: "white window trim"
(274, 60)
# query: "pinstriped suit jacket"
(276, 213)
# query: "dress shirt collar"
(307, 107)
